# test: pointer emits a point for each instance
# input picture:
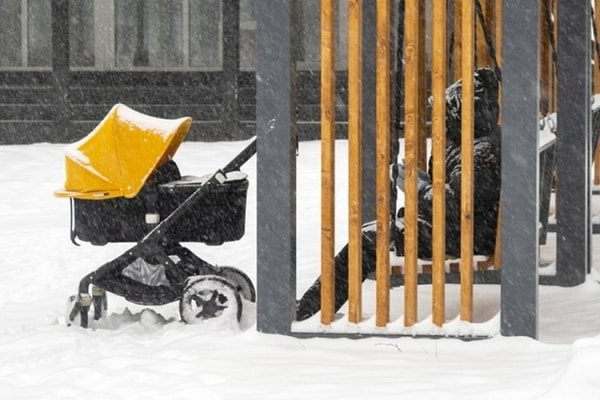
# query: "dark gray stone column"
(61, 68)
(573, 229)
(520, 159)
(276, 165)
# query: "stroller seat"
(122, 182)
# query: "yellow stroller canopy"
(116, 158)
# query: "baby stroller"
(125, 187)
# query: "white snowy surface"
(142, 352)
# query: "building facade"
(64, 63)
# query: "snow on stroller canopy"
(118, 156)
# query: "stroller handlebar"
(241, 158)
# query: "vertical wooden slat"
(457, 39)
(497, 258)
(490, 17)
(411, 108)
(438, 135)
(327, 160)
(422, 111)
(466, 270)
(383, 161)
(498, 30)
(555, 73)
(354, 160)
(481, 53)
(484, 57)
(597, 164)
(545, 60)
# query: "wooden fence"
(469, 49)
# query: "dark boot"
(310, 303)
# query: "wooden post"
(497, 258)
(422, 91)
(354, 160)
(438, 136)
(411, 136)
(498, 31)
(483, 54)
(490, 18)
(597, 164)
(383, 102)
(327, 161)
(457, 39)
(545, 61)
(466, 270)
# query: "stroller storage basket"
(217, 217)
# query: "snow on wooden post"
(467, 121)
(354, 160)
(383, 101)
(438, 138)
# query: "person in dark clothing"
(486, 158)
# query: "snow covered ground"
(141, 352)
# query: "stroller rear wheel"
(240, 280)
(207, 297)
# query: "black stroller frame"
(204, 290)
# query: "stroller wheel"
(240, 280)
(207, 297)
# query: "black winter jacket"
(486, 159)
(486, 165)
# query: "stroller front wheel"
(208, 297)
